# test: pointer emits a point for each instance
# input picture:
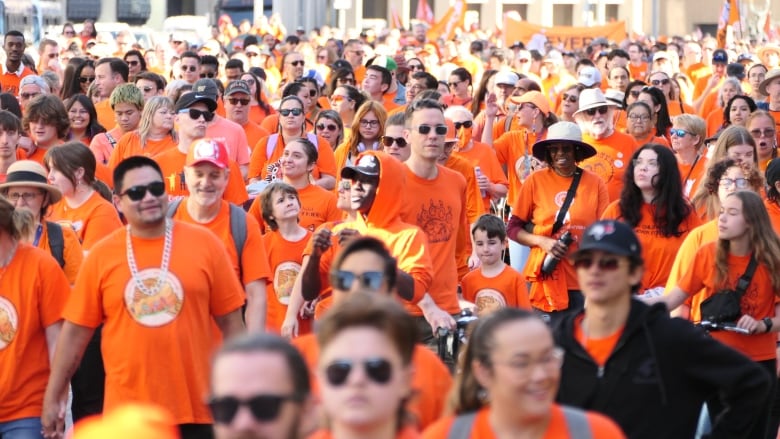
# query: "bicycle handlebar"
(724, 326)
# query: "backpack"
(56, 242)
(274, 138)
(237, 229)
(576, 423)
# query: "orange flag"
(395, 19)
(452, 19)
(424, 11)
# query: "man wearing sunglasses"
(236, 100)
(189, 67)
(193, 113)
(260, 389)
(165, 284)
(633, 363)
(597, 122)
(109, 73)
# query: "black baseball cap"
(191, 98)
(367, 164)
(610, 236)
(720, 56)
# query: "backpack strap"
(56, 242)
(461, 428)
(238, 232)
(313, 139)
(271, 145)
(111, 140)
(577, 423)
(173, 206)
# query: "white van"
(192, 28)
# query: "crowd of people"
(267, 237)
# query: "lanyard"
(38, 233)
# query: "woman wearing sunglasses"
(674, 104)
(459, 87)
(652, 203)
(155, 133)
(688, 134)
(509, 377)
(302, 91)
(714, 115)
(71, 83)
(329, 125)
(368, 126)
(365, 369)
(345, 100)
(570, 98)
(742, 237)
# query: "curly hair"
(706, 197)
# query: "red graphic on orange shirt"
(159, 308)
(436, 221)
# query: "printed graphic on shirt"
(76, 226)
(159, 308)
(527, 164)
(176, 182)
(603, 165)
(273, 171)
(9, 322)
(489, 300)
(560, 197)
(284, 278)
(436, 221)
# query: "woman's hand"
(553, 246)
(749, 323)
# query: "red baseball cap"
(208, 151)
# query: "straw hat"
(568, 133)
(770, 75)
(30, 173)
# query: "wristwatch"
(768, 323)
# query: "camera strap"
(567, 202)
(744, 281)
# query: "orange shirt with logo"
(317, 207)
(692, 174)
(92, 220)
(144, 356)
(284, 259)
(33, 291)
(9, 81)
(611, 160)
(491, 293)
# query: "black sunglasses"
(295, 112)
(657, 82)
(467, 124)
(195, 114)
(85, 79)
(600, 110)
(236, 101)
(329, 127)
(137, 193)
(388, 141)
(635, 93)
(207, 75)
(606, 264)
(426, 129)
(343, 280)
(264, 408)
(297, 63)
(185, 68)
(133, 63)
(378, 370)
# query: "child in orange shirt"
(494, 285)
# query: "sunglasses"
(571, 98)
(208, 75)
(346, 81)
(678, 132)
(264, 408)
(236, 101)
(467, 124)
(176, 42)
(388, 141)
(196, 114)
(85, 79)
(323, 127)
(133, 63)
(295, 112)
(251, 54)
(635, 93)
(600, 110)
(337, 99)
(453, 84)
(378, 370)
(188, 68)
(137, 193)
(415, 66)
(298, 63)
(657, 82)
(312, 93)
(426, 129)
(343, 280)
(606, 264)
(766, 132)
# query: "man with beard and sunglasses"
(635, 364)
(260, 389)
(153, 285)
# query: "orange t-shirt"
(317, 206)
(130, 145)
(102, 147)
(601, 427)
(677, 108)
(438, 207)
(776, 116)
(72, 252)
(758, 301)
(404, 433)
(599, 349)
(485, 157)
(144, 354)
(172, 164)
(91, 221)
(33, 291)
(253, 258)
(638, 72)
(514, 151)
(710, 104)
(9, 81)
(539, 201)
(693, 174)
(284, 259)
(652, 138)
(105, 114)
(253, 134)
(612, 155)
(705, 233)
(267, 167)
(773, 209)
(40, 153)
(492, 293)
(714, 121)
(658, 251)
(431, 380)
(233, 136)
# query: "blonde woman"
(155, 132)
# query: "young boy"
(494, 285)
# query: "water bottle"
(550, 261)
(478, 173)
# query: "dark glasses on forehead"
(600, 110)
(137, 193)
(378, 370)
(388, 141)
(264, 408)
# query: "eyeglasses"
(740, 183)
(343, 280)
(388, 141)
(264, 408)
(337, 99)
(378, 370)
(85, 79)
(600, 110)
(329, 127)
(606, 264)
(294, 111)
(638, 117)
(635, 93)
(350, 81)
(465, 124)
(195, 114)
(766, 132)
(208, 75)
(453, 84)
(415, 67)
(571, 98)
(236, 101)
(369, 123)
(641, 163)
(657, 82)
(548, 361)
(26, 196)
(678, 132)
(426, 129)
(185, 68)
(137, 193)
(133, 63)
(297, 63)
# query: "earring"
(482, 395)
